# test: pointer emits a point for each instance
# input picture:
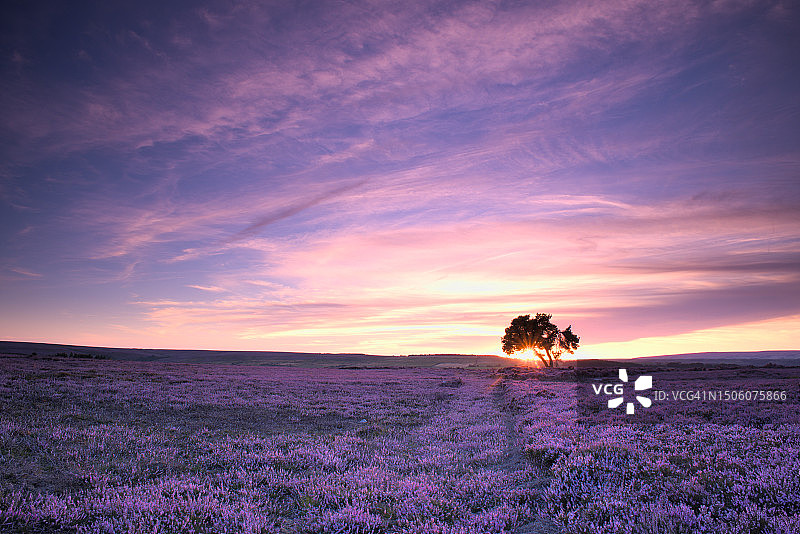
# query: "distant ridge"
(269, 358)
(781, 357)
(356, 360)
(758, 358)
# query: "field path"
(516, 460)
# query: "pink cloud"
(592, 266)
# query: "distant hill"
(356, 360)
(778, 357)
(285, 359)
(759, 358)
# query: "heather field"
(134, 447)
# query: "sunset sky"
(400, 177)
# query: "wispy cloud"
(214, 289)
(288, 211)
(24, 272)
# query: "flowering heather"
(106, 446)
(666, 471)
(144, 447)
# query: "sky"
(400, 177)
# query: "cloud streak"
(289, 211)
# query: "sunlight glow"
(526, 355)
(782, 334)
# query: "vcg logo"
(642, 383)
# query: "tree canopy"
(541, 336)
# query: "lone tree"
(541, 336)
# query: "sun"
(526, 355)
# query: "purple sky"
(400, 177)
